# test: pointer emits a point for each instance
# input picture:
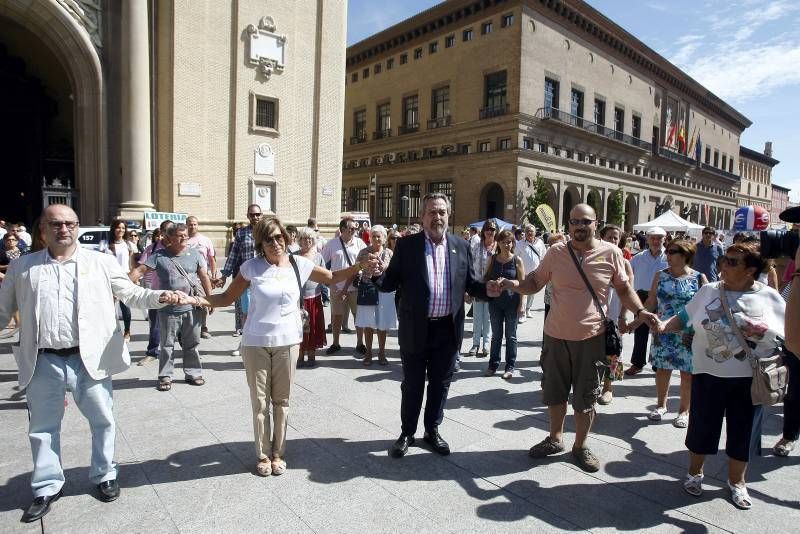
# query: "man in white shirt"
(341, 253)
(69, 341)
(531, 249)
(205, 247)
(645, 266)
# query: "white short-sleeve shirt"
(273, 319)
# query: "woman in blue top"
(505, 310)
(671, 289)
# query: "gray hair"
(307, 232)
(437, 196)
(380, 229)
(528, 226)
(174, 228)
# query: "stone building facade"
(755, 170)
(779, 203)
(197, 106)
(476, 99)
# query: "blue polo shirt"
(645, 266)
(705, 260)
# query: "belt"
(64, 353)
(440, 319)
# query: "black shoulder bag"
(613, 340)
(303, 313)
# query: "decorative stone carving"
(267, 49)
(264, 160)
(89, 14)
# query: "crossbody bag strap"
(183, 273)
(533, 249)
(747, 350)
(297, 275)
(586, 281)
(346, 255)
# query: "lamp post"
(407, 200)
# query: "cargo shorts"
(575, 365)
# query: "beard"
(580, 235)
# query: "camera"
(777, 243)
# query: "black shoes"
(400, 447)
(436, 442)
(361, 348)
(109, 490)
(333, 349)
(39, 508)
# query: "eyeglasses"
(732, 262)
(56, 225)
(277, 239)
(581, 222)
(674, 251)
(254, 215)
(708, 233)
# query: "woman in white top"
(376, 310)
(273, 331)
(121, 250)
(481, 252)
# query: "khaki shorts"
(339, 306)
(572, 365)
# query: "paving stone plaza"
(186, 457)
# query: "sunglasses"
(277, 239)
(254, 215)
(581, 222)
(732, 262)
(708, 233)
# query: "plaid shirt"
(243, 249)
(437, 261)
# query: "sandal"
(164, 385)
(195, 381)
(264, 467)
(740, 497)
(278, 467)
(783, 447)
(367, 361)
(693, 485)
(657, 414)
(382, 359)
(682, 421)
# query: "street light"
(407, 200)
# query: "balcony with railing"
(359, 138)
(494, 111)
(553, 114)
(676, 156)
(439, 122)
(719, 172)
(408, 128)
(381, 134)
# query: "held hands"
(495, 287)
(171, 297)
(372, 265)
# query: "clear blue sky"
(745, 51)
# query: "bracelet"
(796, 273)
(637, 312)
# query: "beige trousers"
(270, 372)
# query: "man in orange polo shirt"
(574, 332)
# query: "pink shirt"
(436, 260)
(203, 245)
(573, 315)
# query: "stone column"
(136, 131)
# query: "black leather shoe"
(39, 508)
(436, 442)
(333, 349)
(109, 490)
(400, 447)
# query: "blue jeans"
(503, 312)
(52, 378)
(154, 340)
(480, 323)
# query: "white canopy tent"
(671, 222)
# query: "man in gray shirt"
(709, 250)
(182, 268)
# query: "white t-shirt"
(333, 253)
(273, 319)
(715, 347)
(531, 253)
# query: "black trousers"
(437, 360)
(641, 336)
(791, 403)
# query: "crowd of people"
(687, 302)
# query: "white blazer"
(100, 278)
